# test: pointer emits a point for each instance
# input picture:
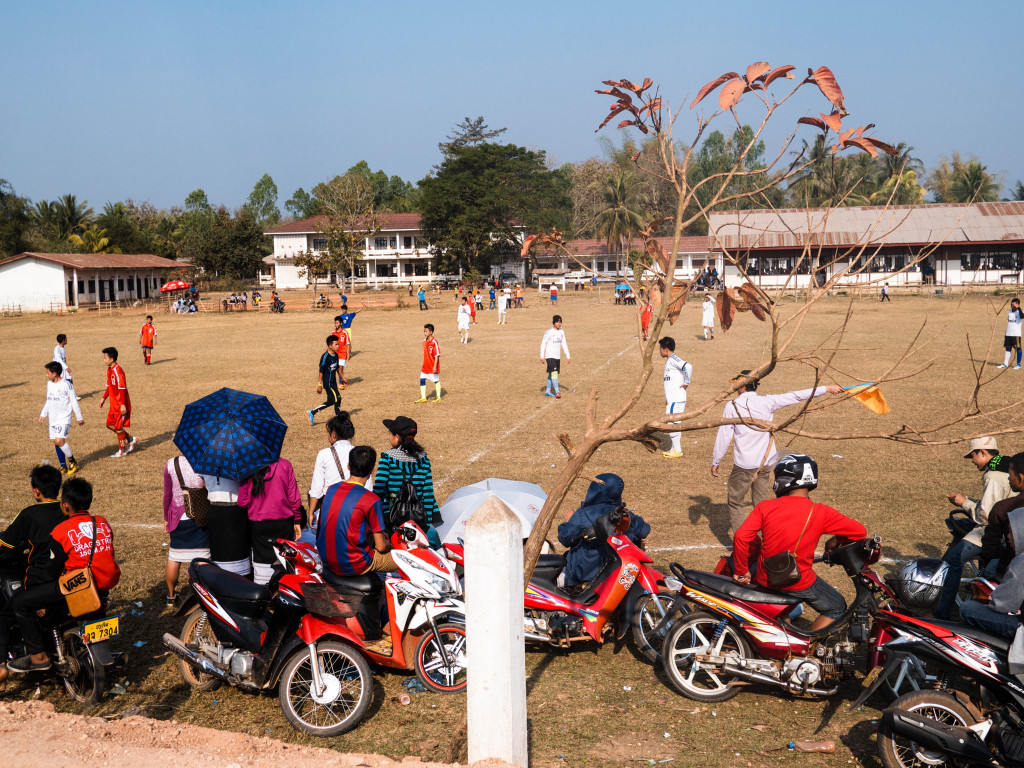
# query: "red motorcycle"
(627, 593)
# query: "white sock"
(66, 449)
(1007, 356)
(677, 441)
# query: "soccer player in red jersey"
(645, 318)
(147, 338)
(344, 349)
(119, 416)
(431, 368)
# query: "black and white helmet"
(795, 470)
(919, 585)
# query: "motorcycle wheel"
(648, 612)
(430, 665)
(197, 632)
(897, 751)
(83, 676)
(695, 633)
(348, 690)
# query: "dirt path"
(36, 736)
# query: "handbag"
(406, 505)
(197, 501)
(79, 586)
(781, 570)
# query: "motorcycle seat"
(993, 641)
(366, 584)
(551, 562)
(751, 594)
(229, 585)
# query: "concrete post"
(496, 658)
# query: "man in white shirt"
(463, 320)
(503, 305)
(677, 378)
(551, 347)
(61, 403)
(331, 465)
(754, 451)
(60, 356)
(1011, 341)
(707, 319)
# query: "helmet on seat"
(918, 586)
(795, 470)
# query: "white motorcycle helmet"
(919, 585)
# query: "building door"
(113, 296)
(102, 285)
(146, 283)
(71, 293)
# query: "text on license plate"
(104, 629)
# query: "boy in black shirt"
(328, 379)
(31, 528)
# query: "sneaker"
(131, 444)
(171, 602)
(119, 455)
(309, 415)
(1000, 366)
(72, 466)
(63, 471)
(437, 399)
(672, 454)
(1016, 367)
(558, 396)
(549, 394)
(421, 400)
(24, 665)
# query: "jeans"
(975, 614)
(822, 597)
(960, 553)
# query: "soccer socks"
(1019, 351)
(423, 388)
(66, 449)
(554, 381)
(122, 439)
(548, 390)
(677, 441)
(60, 456)
(1006, 357)
(437, 390)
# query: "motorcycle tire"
(430, 665)
(197, 629)
(349, 689)
(897, 751)
(646, 616)
(83, 676)
(692, 634)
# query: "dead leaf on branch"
(657, 254)
(756, 70)
(711, 86)
(731, 93)
(826, 82)
(785, 71)
(816, 122)
(679, 294)
(726, 309)
(833, 121)
(752, 301)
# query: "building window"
(380, 243)
(600, 266)
(407, 243)
(120, 284)
(421, 268)
(392, 242)
(408, 270)
(319, 243)
(92, 286)
(81, 287)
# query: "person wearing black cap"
(754, 451)
(406, 461)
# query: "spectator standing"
(551, 347)
(405, 461)
(331, 465)
(707, 316)
(228, 526)
(188, 540)
(431, 368)
(885, 293)
(422, 296)
(554, 294)
(1011, 341)
(677, 378)
(754, 450)
(274, 508)
(491, 295)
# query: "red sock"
(122, 439)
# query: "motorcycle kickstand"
(440, 643)
(314, 666)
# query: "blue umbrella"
(230, 434)
(622, 287)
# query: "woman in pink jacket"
(271, 498)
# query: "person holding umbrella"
(273, 505)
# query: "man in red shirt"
(645, 318)
(119, 417)
(344, 349)
(147, 339)
(431, 368)
(71, 543)
(794, 523)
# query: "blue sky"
(149, 100)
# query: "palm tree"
(828, 180)
(69, 217)
(619, 221)
(94, 240)
(1018, 191)
(973, 184)
(900, 163)
(899, 189)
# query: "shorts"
(60, 430)
(434, 377)
(1011, 342)
(464, 326)
(554, 364)
(144, 347)
(342, 361)
(116, 421)
(677, 407)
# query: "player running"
(431, 368)
(147, 338)
(327, 379)
(119, 417)
(60, 356)
(61, 403)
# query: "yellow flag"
(871, 396)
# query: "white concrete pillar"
(496, 658)
(74, 278)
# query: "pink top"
(280, 499)
(174, 499)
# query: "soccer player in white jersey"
(61, 403)
(551, 347)
(707, 316)
(677, 378)
(1011, 342)
(60, 356)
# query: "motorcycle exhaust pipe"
(202, 663)
(952, 740)
(757, 677)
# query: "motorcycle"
(943, 726)
(627, 592)
(741, 634)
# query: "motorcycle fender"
(189, 604)
(288, 647)
(436, 611)
(312, 628)
(652, 582)
(101, 653)
(625, 619)
(877, 676)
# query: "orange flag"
(870, 395)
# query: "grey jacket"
(1009, 595)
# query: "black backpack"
(405, 506)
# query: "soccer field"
(495, 422)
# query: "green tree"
(262, 203)
(94, 240)
(1018, 190)
(483, 197)
(194, 234)
(899, 189)
(900, 163)
(955, 180)
(468, 133)
(620, 221)
(347, 217)
(15, 220)
(390, 193)
(830, 180)
(302, 205)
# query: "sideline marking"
(508, 433)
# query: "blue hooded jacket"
(584, 561)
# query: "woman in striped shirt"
(406, 460)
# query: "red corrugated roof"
(101, 260)
(311, 225)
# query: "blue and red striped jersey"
(349, 517)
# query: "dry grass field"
(494, 421)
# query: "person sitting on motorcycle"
(999, 615)
(793, 522)
(992, 547)
(585, 559)
(70, 546)
(30, 529)
(995, 484)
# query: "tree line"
(479, 199)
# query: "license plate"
(871, 676)
(104, 629)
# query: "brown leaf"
(651, 106)
(887, 148)
(864, 144)
(753, 301)
(679, 294)
(626, 123)
(816, 122)
(827, 84)
(860, 131)
(726, 309)
(833, 121)
(622, 97)
(775, 74)
(616, 109)
(730, 94)
(757, 69)
(638, 89)
(657, 254)
(634, 158)
(655, 294)
(845, 135)
(711, 86)
(527, 244)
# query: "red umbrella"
(174, 285)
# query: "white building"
(43, 281)
(597, 256)
(397, 254)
